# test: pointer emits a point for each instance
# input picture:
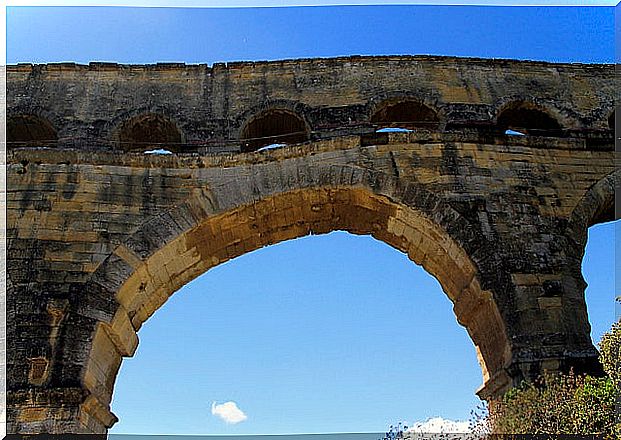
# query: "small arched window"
(30, 131)
(525, 119)
(407, 114)
(277, 126)
(147, 132)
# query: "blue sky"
(351, 336)
(135, 35)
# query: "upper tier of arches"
(291, 123)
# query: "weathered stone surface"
(98, 238)
(105, 106)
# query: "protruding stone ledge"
(196, 160)
(96, 416)
(495, 386)
(122, 333)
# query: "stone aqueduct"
(101, 234)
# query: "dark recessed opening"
(611, 121)
(527, 120)
(605, 213)
(30, 131)
(406, 114)
(149, 132)
(273, 127)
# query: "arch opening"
(605, 213)
(598, 223)
(598, 267)
(30, 131)
(294, 315)
(596, 207)
(526, 119)
(274, 219)
(272, 127)
(407, 114)
(150, 131)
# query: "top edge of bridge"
(432, 59)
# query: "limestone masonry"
(100, 234)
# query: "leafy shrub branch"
(561, 403)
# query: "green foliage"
(610, 353)
(558, 404)
(561, 403)
(594, 403)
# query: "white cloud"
(229, 412)
(440, 425)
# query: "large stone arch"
(596, 206)
(179, 215)
(206, 230)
